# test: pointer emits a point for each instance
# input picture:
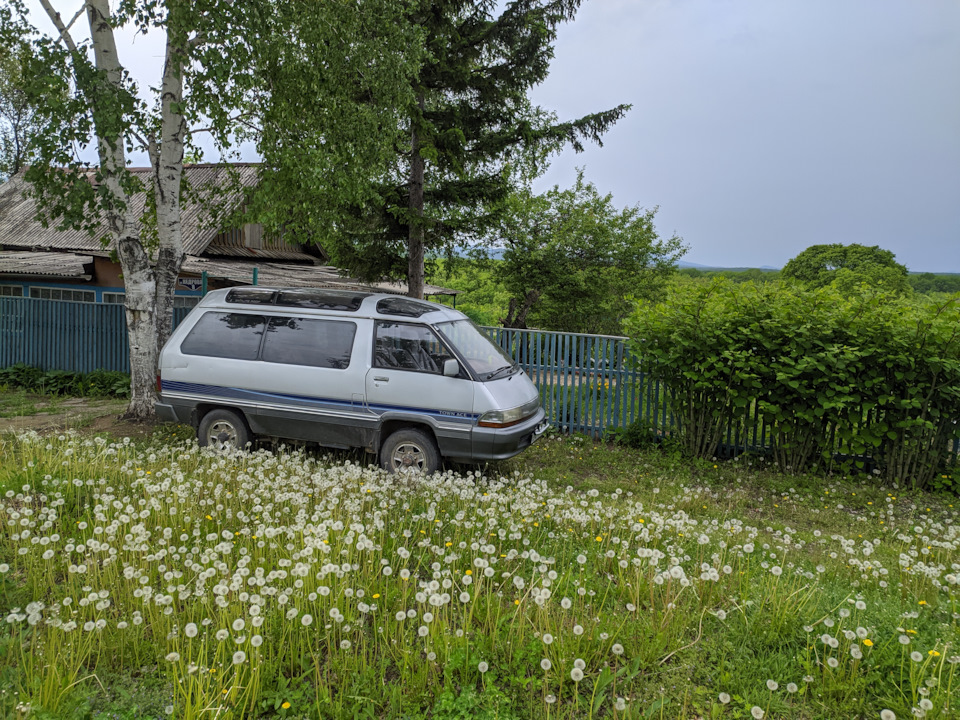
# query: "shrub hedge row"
(839, 382)
(99, 383)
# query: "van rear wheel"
(223, 430)
(410, 450)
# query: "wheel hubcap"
(409, 457)
(222, 435)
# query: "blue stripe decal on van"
(254, 396)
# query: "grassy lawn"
(578, 580)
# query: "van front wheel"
(223, 430)
(410, 450)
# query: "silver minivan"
(409, 381)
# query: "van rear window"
(318, 343)
(226, 335)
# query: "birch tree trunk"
(167, 164)
(138, 277)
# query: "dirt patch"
(92, 415)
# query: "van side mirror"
(451, 368)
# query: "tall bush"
(838, 380)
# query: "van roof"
(348, 302)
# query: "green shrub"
(99, 383)
(837, 380)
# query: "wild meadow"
(580, 580)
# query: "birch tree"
(210, 81)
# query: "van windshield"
(485, 357)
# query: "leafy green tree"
(214, 78)
(847, 267)
(467, 126)
(574, 262)
(17, 113)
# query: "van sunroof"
(405, 307)
(319, 298)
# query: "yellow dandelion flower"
(868, 642)
(599, 538)
(285, 705)
(934, 653)
(376, 595)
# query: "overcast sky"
(760, 127)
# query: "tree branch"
(57, 21)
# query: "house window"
(47, 293)
(11, 291)
(185, 301)
(113, 298)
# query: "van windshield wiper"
(491, 375)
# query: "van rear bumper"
(500, 444)
(169, 413)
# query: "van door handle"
(381, 379)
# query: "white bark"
(138, 276)
(167, 173)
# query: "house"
(73, 265)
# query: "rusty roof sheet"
(67, 265)
(201, 216)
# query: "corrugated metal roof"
(266, 253)
(291, 275)
(43, 264)
(19, 229)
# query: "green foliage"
(17, 122)
(98, 383)
(756, 275)
(836, 379)
(846, 267)
(574, 262)
(930, 283)
(468, 130)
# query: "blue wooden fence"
(61, 335)
(588, 383)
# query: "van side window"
(409, 347)
(301, 341)
(225, 335)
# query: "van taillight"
(158, 383)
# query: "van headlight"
(513, 416)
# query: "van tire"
(410, 450)
(223, 430)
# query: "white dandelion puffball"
(222, 635)
(620, 704)
(546, 664)
(887, 715)
(239, 656)
(191, 630)
(547, 638)
(576, 675)
(772, 685)
(344, 644)
(617, 649)
(833, 662)
(306, 619)
(904, 640)
(756, 711)
(578, 629)
(724, 698)
(173, 657)
(915, 656)
(482, 666)
(256, 641)
(579, 664)
(792, 687)
(238, 625)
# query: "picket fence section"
(63, 335)
(588, 383)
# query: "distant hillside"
(698, 266)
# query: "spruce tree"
(468, 125)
